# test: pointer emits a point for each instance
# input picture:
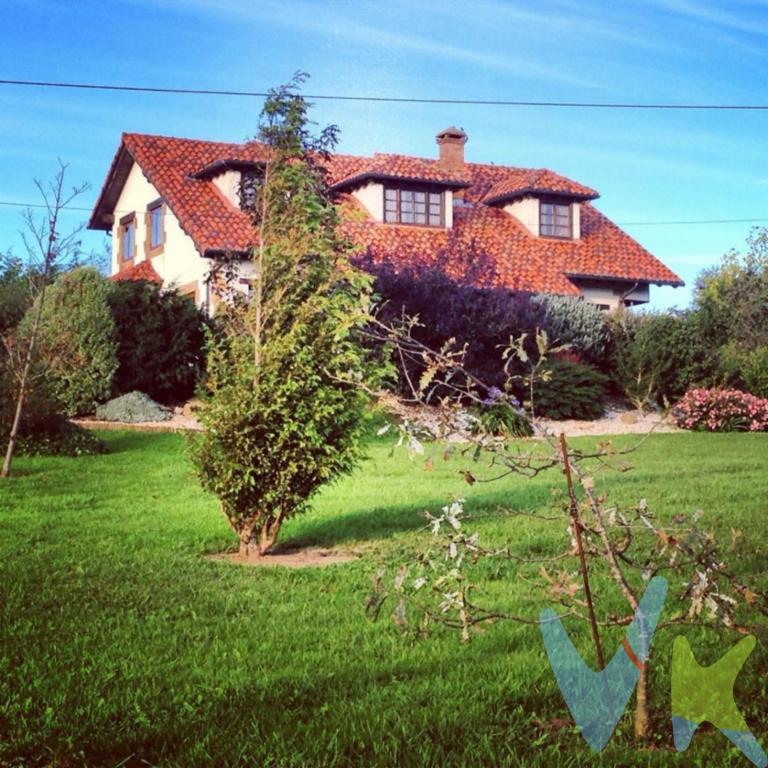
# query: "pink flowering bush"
(721, 410)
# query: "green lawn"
(120, 644)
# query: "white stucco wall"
(610, 293)
(448, 208)
(229, 185)
(179, 263)
(526, 211)
(371, 197)
(576, 214)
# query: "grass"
(120, 644)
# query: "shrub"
(448, 307)
(133, 408)
(160, 340)
(745, 368)
(569, 390)
(656, 358)
(500, 418)
(721, 410)
(572, 320)
(14, 291)
(76, 342)
(44, 429)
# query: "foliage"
(732, 298)
(132, 408)
(497, 417)
(44, 429)
(721, 410)
(580, 324)
(657, 357)
(570, 390)
(745, 367)
(77, 341)
(283, 411)
(452, 309)
(14, 292)
(160, 339)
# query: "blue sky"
(647, 165)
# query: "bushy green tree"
(160, 341)
(732, 298)
(731, 305)
(77, 343)
(282, 415)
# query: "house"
(173, 205)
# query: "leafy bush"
(76, 342)
(451, 307)
(160, 340)
(721, 410)
(133, 408)
(62, 438)
(572, 320)
(501, 418)
(656, 358)
(14, 291)
(745, 368)
(569, 390)
(44, 429)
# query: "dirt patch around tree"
(310, 557)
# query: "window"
(127, 234)
(155, 222)
(555, 220)
(413, 206)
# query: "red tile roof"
(346, 171)
(522, 260)
(141, 271)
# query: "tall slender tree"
(280, 417)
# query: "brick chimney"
(451, 142)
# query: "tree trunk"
(256, 541)
(642, 717)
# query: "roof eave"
(221, 166)
(530, 191)
(648, 280)
(102, 216)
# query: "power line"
(385, 99)
(692, 222)
(686, 223)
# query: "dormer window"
(555, 219)
(410, 205)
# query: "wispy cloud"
(335, 22)
(755, 22)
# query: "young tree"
(280, 419)
(612, 544)
(47, 251)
